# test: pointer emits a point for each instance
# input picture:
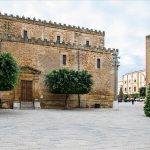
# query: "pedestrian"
(132, 101)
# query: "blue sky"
(126, 23)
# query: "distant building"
(120, 85)
(147, 60)
(131, 82)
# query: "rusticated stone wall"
(40, 54)
(48, 30)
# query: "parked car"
(120, 100)
(129, 99)
(142, 99)
(125, 100)
(139, 99)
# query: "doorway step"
(26, 105)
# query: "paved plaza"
(77, 129)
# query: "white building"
(131, 82)
(120, 85)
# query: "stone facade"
(147, 60)
(37, 50)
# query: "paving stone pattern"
(77, 129)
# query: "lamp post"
(115, 65)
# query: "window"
(98, 63)
(125, 82)
(134, 89)
(135, 80)
(87, 43)
(58, 39)
(125, 89)
(25, 34)
(64, 59)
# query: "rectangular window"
(58, 39)
(64, 59)
(130, 89)
(125, 89)
(98, 63)
(134, 89)
(25, 34)
(87, 43)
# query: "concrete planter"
(6, 97)
(37, 104)
(16, 105)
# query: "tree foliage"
(147, 104)
(120, 96)
(142, 91)
(64, 81)
(135, 95)
(9, 72)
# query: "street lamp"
(115, 65)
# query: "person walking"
(133, 101)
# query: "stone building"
(131, 82)
(147, 60)
(40, 47)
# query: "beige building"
(131, 82)
(147, 60)
(40, 47)
(120, 85)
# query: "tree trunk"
(66, 101)
(79, 100)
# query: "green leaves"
(142, 91)
(9, 72)
(147, 104)
(65, 81)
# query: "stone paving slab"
(77, 129)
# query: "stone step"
(27, 105)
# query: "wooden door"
(26, 90)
